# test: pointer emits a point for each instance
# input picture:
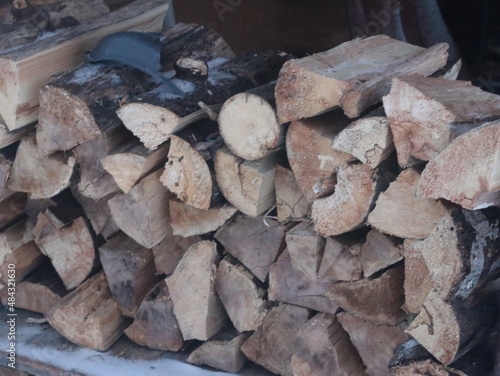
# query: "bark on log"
(379, 251)
(306, 249)
(291, 204)
(341, 259)
(354, 75)
(169, 252)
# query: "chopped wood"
(155, 325)
(188, 68)
(243, 300)
(379, 252)
(306, 248)
(311, 156)
(400, 213)
(341, 259)
(12, 208)
(427, 114)
(348, 207)
(291, 204)
(374, 343)
(247, 185)
(97, 211)
(170, 251)
(143, 212)
(197, 307)
(9, 137)
(472, 182)
(130, 272)
(88, 316)
(377, 300)
(6, 159)
(223, 352)
(265, 346)
(264, 239)
(323, 348)
(39, 175)
(188, 221)
(354, 75)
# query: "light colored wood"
(426, 114)
(472, 182)
(379, 252)
(6, 160)
(306, 248)
(312, 158)
(400, 213)
(348, 207)
(97, 212)
(197, 307)
(418, 282)
(291, 203)
(88, 316)
(170, 250)
(247, 185)
(341, 259)
(9, 137)
(354, 75)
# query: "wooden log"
(223, 352)
(242, 298)
(377, 300)
(188, 221)
(88, 316)
(263, 242)
(400, 213)
(323, 348)
(169, 252)
(306, 249)
(474, 183)
(291, 204)
(197, 307)
(348, 207)
(379, 251)
(155, 325)
(247, 185)
(143, 212)
(312, 158)
(19, 92)
(6, 158)
(39, 175)
(354, 75)
(426, 114)
(374, 343)
(130, 272)
(97, 212)
(155, 115)
(341, 259)
(265, 346)
(12, 208)
(9, 137)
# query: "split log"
(243, 300)
(473, 183)
(6, 159)
(197, 307)
(311, 156)
(289, 285)
(12, 208)
(188, 221)
(368, 139)
(9, 137)
(263, 242)
(427, 114)
(130, 272)
(222, 352)
(341, 260)
(374, 343)
(306, 249)
(291, 204)
(155, 115)
(281, 326)
(169, 252)
(379, 252)
(400, 213)
(377, 300)
(143, 212)
(19, 91)
(248, 123)
(155, 325)
(41, 176)
(247, 185)
(354, 75)
(348, 207)
(88, 316)
(323, 348)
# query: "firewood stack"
(331, 215)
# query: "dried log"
(400, 213)
(426, 114)
(170, 251)
(311, 156)
(354, 75)
(322, 338)
(143, 212)
(341, 259)
(6, 159)
(379, 252)
(243, 300)
(247, 185)
(472, 182)
(97, 212)
(291, 203)
(155, 325)
(263, 242)
(19, 91)
(9, 137)
(12, 208)
(197, 307)
(130, 272)
(88, 316)
(306, 249)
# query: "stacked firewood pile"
(331, 215)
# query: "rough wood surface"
(12, 208)
(341, 259)
(379, 251)
(306, 248)
(6, 158)
(291, 204)
(170, 250)
(97, 212)
(9, 137)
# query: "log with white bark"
(291, 204)
(379, 251)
